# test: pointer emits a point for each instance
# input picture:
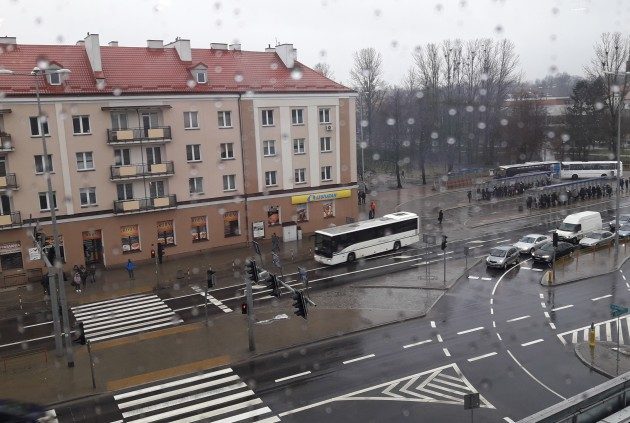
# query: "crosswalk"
(604, 331)
(212, 300)
(213, 396)
(124, 316)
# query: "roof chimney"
(183, 49)
(80, 43)
(157, 44)
(8, 40)
(113, 44)
(287, 54)
(235, 46)
(93, 49)
(218, 46)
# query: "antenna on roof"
(276, 41)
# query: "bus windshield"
(323, 245)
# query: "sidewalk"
(603, 358)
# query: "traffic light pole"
(250, 314)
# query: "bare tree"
(324, 69)
(366, 74)
(526, 128)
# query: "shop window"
(166, 233)
(11, 256)
(328, 209)
(301, 211)
(231, 225)
(130, 238)
(273, 216)
(199, 228)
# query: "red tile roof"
(137, 70)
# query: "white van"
(576, 225)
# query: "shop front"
(93, 246)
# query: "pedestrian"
(373, 208)
(275, 242)
(627, 179)
(469, 196)
(371, 214)
(83, 274)
(160, 252)
(130, 267)
(440, 216)
(76, 281)
(92, 273)
(359, 197)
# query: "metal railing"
(145, 204)
(9, 181)
(134, 135)
(141, 170)
(10, 220)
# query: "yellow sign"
(321, 196)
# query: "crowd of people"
(569, 196)
(506, 191)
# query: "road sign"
(616, 311)
(276, 260)
(471, 401)
(256, 247)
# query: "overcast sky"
(546, 33)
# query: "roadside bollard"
(591, 336)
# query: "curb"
(588, 364)
(581, 278)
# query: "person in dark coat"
(440, 216)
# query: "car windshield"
(624, 228)
(547, 247)
(569, 227)
(528, 240)
(498, 252)
(593, 235)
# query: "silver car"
(531, 242)
(624, 219)
(624, 231)
(596, 238)
(502, 257)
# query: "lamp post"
(361, 133)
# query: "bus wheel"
(396, 245)
(351, 257)
(574, 176)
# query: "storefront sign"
(259, 229)
(10, 247)
(321, 196)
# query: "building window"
(11, 256)
(44, 204)
(227, 151)
(193, 152)
(267, 117)
(270, 178)
(326, 173)
(200, 76)
(225, 119)
(301, 212)
(273, 216)
(54, 77)
(300, 176)
(156, 189)
(324, 145)
(231, 225)
(34, 121)
(42, 165)
(297, 116)
(299, 146)
(124, 191)
(119, 121)
(324, 115)
(130, 238)
(166, 233)
(81, 125)
(195, 185)
(87, 196)
(122, 157)
(269, 148)
(190, 120)
(229, 182)
(328, 209)
(85, 161)
(199, 228)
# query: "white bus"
(580, 170)
(346, 243)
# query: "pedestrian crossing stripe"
(124, 316)
(49, 417)
(212, 299)
(606, 330)
(218, 395)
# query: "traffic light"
(443, 246)
(251, 270)
(81, 334)
(244, 308)
(50, 254)
(300, 304)
(273, 283)
(152, 253)
(210, 278)
(555, 239)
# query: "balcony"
(11, 220)
(160, 134)
(8, 182)
(141, 171)
(6, 144)
(139, 205)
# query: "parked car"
(624, 231)
(597, 238)
(624, 219)
(502, 256)
(529, 243)
(14, 411)
(546, 254)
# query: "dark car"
(546, 252)
(14, 411)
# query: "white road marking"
(543, 305)
(37, 324)
(534, 269)
(608, 332)
(491, 301)
(446, 353)
(536, 341)
(479, 357)
(433, 323)
(494, 324)
(601, 298)
(439, 337)
(477, 241)
(553, 326)
(534, 377)
(365, 357)
(486, 279)
(562, 308)
(624, 277)
(518, 318)
(547, 314)
(508, 420)
(470, 330)
(282, 379)
(426, 341)
(499, 336)
(526, 268)
(473, 277)
(541, 295)
(491, 310)
(212, 300)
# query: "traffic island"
(603, 357)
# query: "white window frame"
(299, 176)
(45, 195)
(296, 146)
(201, 72)
(128, 193)
(325, 144)
(326, 173)
(189, 122)
(227, 147)
(37, 123)
(121, 156)
(324, 115)
(82, 161)
(267, 117)
(268, 146)
(271, 178)
(90, 196)
(39, 162)
(82, 119)
(225, 118)
(229, 183)
(159, 187)
(193, 153)
(297, 116)
(197, 181)
(55, 73)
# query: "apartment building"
(192, 148)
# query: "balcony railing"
(145, 204)
(8, 182)
(141, 170)
(137, 135)
(10, 220)
(6, 144)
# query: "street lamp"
(58, 269)
(362, 138)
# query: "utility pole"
(250, 314)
